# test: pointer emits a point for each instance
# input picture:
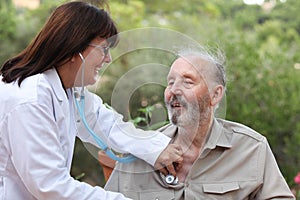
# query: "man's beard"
(191, 114)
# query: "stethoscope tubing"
(98, 140)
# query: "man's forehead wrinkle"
(200, 64)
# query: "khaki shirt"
(235, 163)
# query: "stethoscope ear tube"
(98, 140)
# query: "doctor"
(37, 115)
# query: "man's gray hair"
(214, 56)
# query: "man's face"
(187, 95)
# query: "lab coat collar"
(56, 84)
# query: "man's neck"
(193, 135)
(192, 140)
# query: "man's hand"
(170, 160)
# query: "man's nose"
(176, 88)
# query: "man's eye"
(170, 82)
(189, 82)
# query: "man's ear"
(217, 94)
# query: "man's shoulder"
(240, 129)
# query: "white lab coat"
(37, 136)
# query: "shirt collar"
(218, 136)
(56, 84)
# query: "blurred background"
(261, 40)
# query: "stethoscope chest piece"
(170, 179)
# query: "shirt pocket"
(220, 188)
(158, 195)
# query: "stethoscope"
(80, 103)
(170, 179)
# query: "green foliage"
(7, 28)
(18, 26)
(144, 120)
(7, 20)
(287, 14)
(128, 15)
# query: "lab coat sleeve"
(38, 158)
(119, 135)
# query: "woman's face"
(92, 60)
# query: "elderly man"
(222, 159)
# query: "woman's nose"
(107, 58)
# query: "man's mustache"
(178, 100)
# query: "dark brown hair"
(69, 30)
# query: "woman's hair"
(68, 31)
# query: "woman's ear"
(73, 58)
(217, 94)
